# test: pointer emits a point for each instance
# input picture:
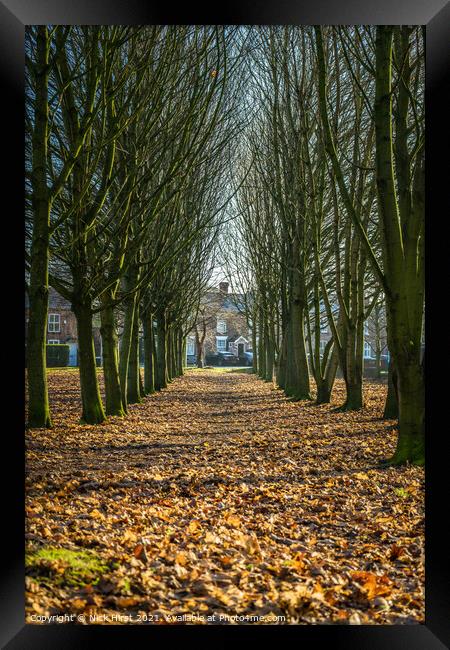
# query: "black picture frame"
(14, 15)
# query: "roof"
(55, 300)
(234, 339)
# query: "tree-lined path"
(288, 161)
(221, 496)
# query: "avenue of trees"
(128, 132)
(329, 223)
(298, 152)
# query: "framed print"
(229, 426)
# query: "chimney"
(223, 286)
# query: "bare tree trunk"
(93, 412)
(403, 254)
(254, 348)
(200, 345)
(127, 334)
(133, 375)
(161, 357)
(113, 392)
(391, 406)
(261, 351)
(149, 353)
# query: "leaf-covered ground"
(219, 498)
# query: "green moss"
(65, 566)
(125, 585)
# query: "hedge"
(57, 355)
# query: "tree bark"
(261, 351)
(161, 363)
(200, 345)
(93, 412)
(181, 352)
(125, 343)
(172, 366)
(254, 348)
(133, 375)
(403, 257)
(299, 376)
(391, 406)
(411, 416)
(326, 382)
(113, 393)
(353, 372)
(149, 354)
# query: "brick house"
(226, 327)
(62, 326)
(227, 330)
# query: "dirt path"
(220, 497)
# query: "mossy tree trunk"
(299, 376)
(261, 338)
(353, 369)
(254, 347)
(270, 357)
(149, 353)
(323, 367)
(161, 357)
(181, 352)
(391, 405)
(402, 215)
(325, 373)
(133, 375)
(282, 358)
(113, 393)
(127, 333)
(93, 412)
(325, 386)
(171, 353)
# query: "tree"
(400, 184)
(46, 61)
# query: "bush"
(58, 355)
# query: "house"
(223, 324)
(62, 326)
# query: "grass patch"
(403, 493)
(65, 566)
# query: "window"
(367, 350)
(190, 347)
(221, 326)
(54, 323)
(366, 328)
(322, 347)
(53, 342)
(221, 343)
